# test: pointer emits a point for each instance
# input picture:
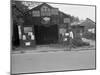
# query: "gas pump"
(28, 37)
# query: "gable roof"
(88, 23)
(39, 6)
(64, 14)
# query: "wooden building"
(77, 29)
(44, 24)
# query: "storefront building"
(44, 24)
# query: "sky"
(82, 12)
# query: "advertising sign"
(66, 20)
(27, 29)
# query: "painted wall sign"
(66, 20)
(49, 12)
(45, 11)
(45, 20)
(27, 29)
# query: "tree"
(17, 19)
(23, 8)
(74, 19)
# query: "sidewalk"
(51, 49)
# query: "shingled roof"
(88, 23)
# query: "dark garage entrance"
(46, 34)
(15, 36)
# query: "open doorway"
(46, 34)
(15, 36)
